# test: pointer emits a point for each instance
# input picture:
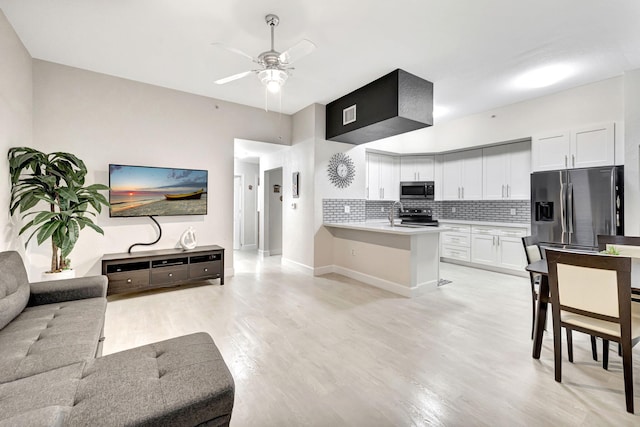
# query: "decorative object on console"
(341, 170)
(295, 185)
(188, 239)
(59, 180)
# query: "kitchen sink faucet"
(392, 211)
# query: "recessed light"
(544, 76)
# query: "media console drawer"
(166, 267)
(128, 281)
(204, 270)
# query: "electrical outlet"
(453, 210)
(513, 211)
(353, 252)
(347, 209)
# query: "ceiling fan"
(275, 66)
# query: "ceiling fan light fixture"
(273, 79)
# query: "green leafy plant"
(58, 180)
(611, 250)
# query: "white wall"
(105, 119)
(16, 119)
(593, 103)
(632, 153)
(249, 173)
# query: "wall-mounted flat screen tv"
(152, 191)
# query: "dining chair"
(626, 246)
(591, 293)
(533, 253)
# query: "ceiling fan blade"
(232, 78)
(297, 51)
(234, 50)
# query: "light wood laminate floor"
(330, 351)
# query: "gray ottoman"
(178, 382)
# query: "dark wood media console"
(140, 271)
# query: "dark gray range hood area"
(396, 103)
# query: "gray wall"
(16, 117)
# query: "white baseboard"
(387, 285)
(275, 252)
(263, 253)
(249, 247)
(319, 271)
(518, 273)
(302, 267)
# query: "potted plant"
(58, 180)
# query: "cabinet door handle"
(493, 240)
(463, 192)
(508, 191)
(128, 280)
(498, 239)
(206, 269)
(573, 160)
(170, 274)
(458, 192)
(503, 191)
(565, 161)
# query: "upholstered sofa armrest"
(67, 290)
(178, 382)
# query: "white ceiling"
(251, 151)
(471, 50)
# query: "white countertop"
(492, 224)
(385, 227)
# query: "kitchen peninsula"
(402, 260)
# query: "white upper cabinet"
(462, 175)
(593, 146)
(382, 177)
(417, 168)
(506, 170)
(590, 146)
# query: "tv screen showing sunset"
(153, 191)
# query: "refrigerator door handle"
(503, 191)
(565, 161)
(570, 210)
(563, 211)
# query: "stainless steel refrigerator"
(569, 208)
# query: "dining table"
(540, 267)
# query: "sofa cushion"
(14, 287)
(50, 336)
(55, 388)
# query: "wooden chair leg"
(594, 348)
(570, 345)
(619, 350)
(533, 313)
(605, 354)
(627, 366)
(557, 348)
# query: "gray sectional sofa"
(51, 372)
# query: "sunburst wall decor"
(341, 170)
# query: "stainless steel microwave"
(423, 190)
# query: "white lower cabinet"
(496, 247)
(456, 244)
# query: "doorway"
(237, 212)
(273, 202)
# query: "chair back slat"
(588, 289)
(605, 240)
